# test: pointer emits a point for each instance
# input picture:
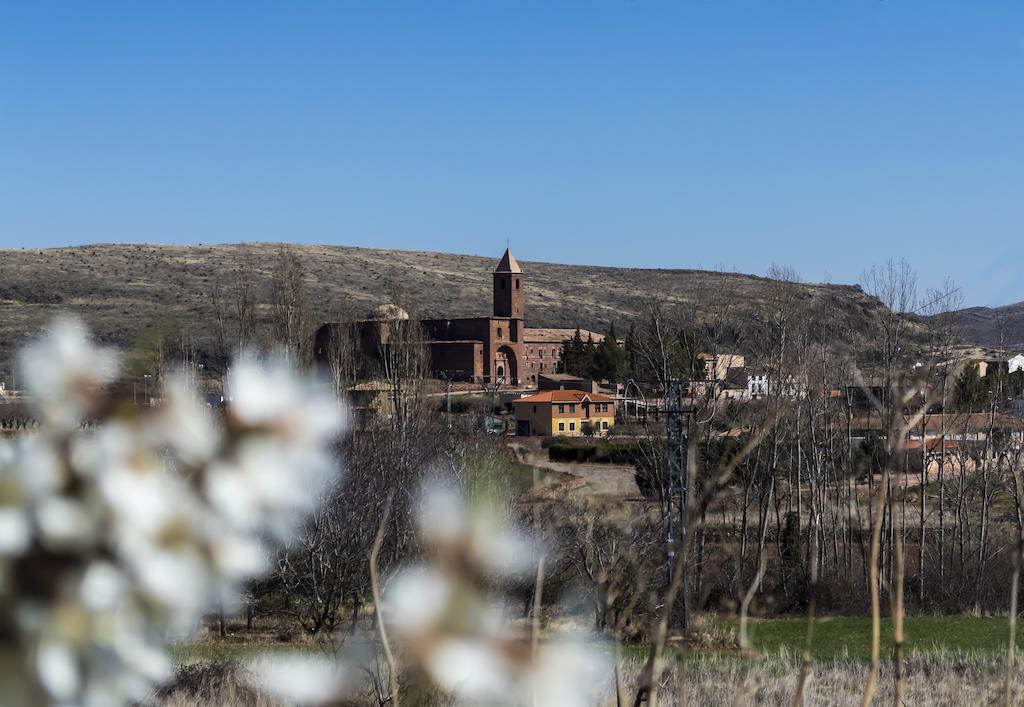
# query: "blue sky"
(721, 133)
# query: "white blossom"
(63, 369)
(454, 631)
(418, 599)
(301, 679)
(134, 527)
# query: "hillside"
(120, 289)
(996, 327)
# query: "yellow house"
(564, 412)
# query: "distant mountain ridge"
(994, 327)
(119, 289)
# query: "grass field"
(950, 661)
(839, 637)
(834, 638)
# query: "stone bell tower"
(508, 290)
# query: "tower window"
(502, 284)
(499, 332)
(517, 283)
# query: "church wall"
(457, 360)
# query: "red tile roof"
(565, 396)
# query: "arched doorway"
(506, 369)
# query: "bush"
(591, 451)
(220, 682)
(460, 405)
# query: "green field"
(834, 638)
(839, 637)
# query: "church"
(496, 349)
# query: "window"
(535, 408)
(561, 427)
(517, 283)
(502, 284)
(542, 353)
(572, 426)
(499, 332)
(572, 407)
(604, 425)
(561, 409)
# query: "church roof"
(508, 263)
(542, 335)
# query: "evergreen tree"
(971, 392)
(610, 358)
(573, 356)
(588, 365)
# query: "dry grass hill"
(121, 289)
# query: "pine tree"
(573, 354)
(588, 364)
(610, 358)
(971, 390)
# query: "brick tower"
(508, 291)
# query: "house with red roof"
(572, 413)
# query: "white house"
(1016, 363)
(757, 383)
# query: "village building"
(496, 349)
(716, 369)
(718, 365)
(543, 349)
(572, 413)
(564, 381)
(961, 427)
(1016, 363)
(757, 383)
(734, 387)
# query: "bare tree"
(292, 316)
(342, 354)
(234, 309)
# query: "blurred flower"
(283, 461)
(446, 623)
(303, 680)
(63, 370)
(136, 526)
(475, 534)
